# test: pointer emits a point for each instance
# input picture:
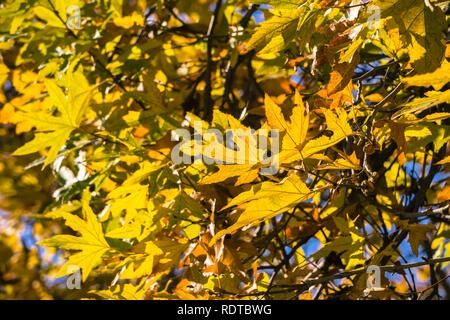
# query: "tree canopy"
(114, 122)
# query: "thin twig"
(208, 101)
(389, 268)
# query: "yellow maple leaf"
(91, 241)
(438, 78)
(265, 201)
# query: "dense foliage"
(94, 94)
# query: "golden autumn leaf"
(220, 150)
(91, 243)
(265, 201)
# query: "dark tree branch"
(208, 101)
